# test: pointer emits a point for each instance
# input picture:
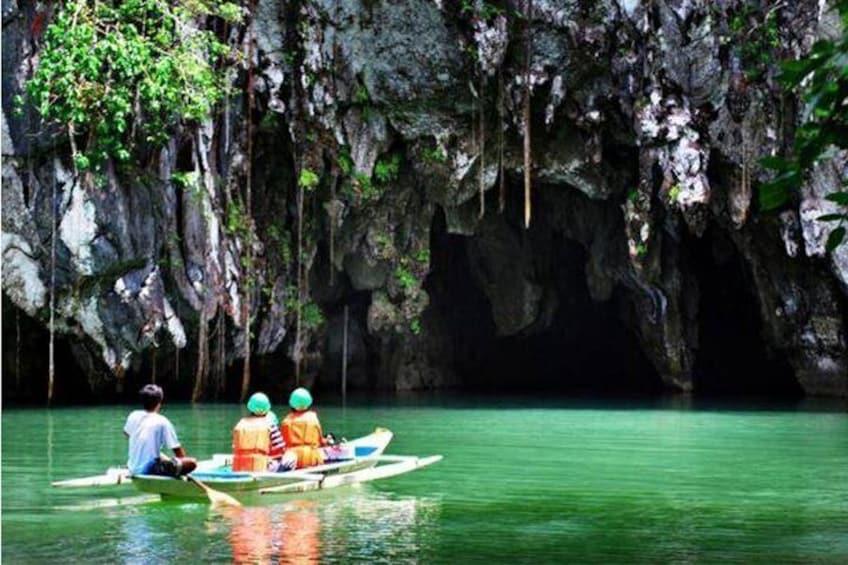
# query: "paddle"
(217, 498)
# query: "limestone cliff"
(647, 120)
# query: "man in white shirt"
(148, 432)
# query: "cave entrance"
(575, 345)
(732, 357)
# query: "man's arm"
(171, 440)
(130, 424)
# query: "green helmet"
(259, 404)
(300, 399)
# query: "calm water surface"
(522, 482)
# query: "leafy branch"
(117, 73)
(822, 77)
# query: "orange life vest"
(303, 436)
(251, 444)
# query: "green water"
(530, 481)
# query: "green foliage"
(822, 77)
(237, 220)
(123, 72)
(483, 9)
(360, 95)
(423, 256)
(387, 169)
(308, 180)
(434, 155)
(362, 186)
(345, 161)
(281, 240)
(384, 245)
(363, 100)
(754, 35)
(835, 238)
(270, 122)
(312, 317)
(674, 192)
(310, 313)
(415, 326)
(292, 303)
(405, 278)
(185, 179)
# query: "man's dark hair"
(151, 395)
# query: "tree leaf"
(773, 162)
(832, 218)
(838, 197)
(773, 196)
(835, 238)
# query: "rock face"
(647, 123)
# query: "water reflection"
(264, 534)
(354, 525)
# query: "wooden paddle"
(217, 498)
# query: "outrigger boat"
(368, 463)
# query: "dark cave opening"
(25, 362)
(732, 357)
(581, 347)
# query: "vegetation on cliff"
(822, 78)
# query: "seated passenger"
(149, 432)
(257, 443)
(302, 432)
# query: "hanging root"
(248, 271)
(527, 158)
(502, 188)
(51, 371)
(482, 148)
(201, 374)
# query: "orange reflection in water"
(272, 534)
(301, 541)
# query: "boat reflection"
(357, 525)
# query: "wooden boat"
(367, 464)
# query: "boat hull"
(216, 473)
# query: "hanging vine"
(51, 370)
(17, 349)
(481, 171)
(202, 370)
(249, 259)
(528, 46)
(218, 372)
(501, 118)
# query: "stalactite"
(501, 117)
(528, 44)
(249, 274)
